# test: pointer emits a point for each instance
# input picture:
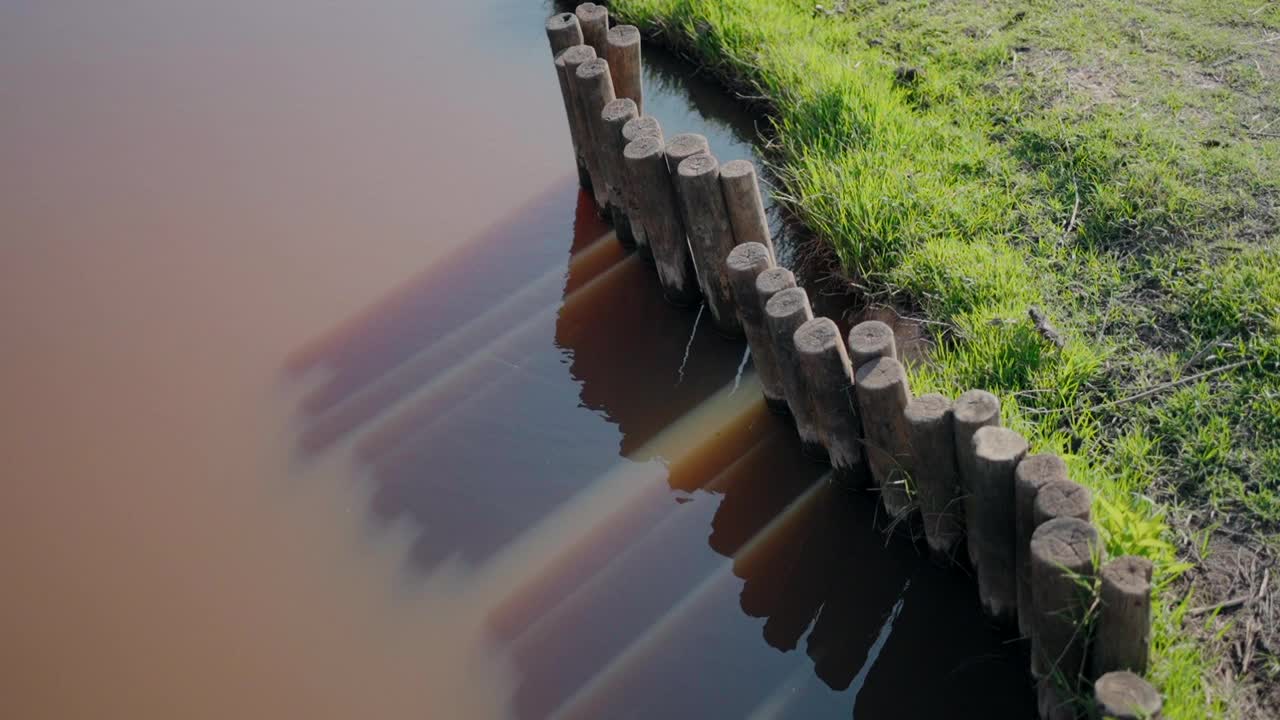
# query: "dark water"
(330, 396)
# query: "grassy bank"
(1114, 164)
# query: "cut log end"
(977, 408)
(624, 36)
(642, 126)
(871, 339)
(880, 374)
(591, 12)
(1062, 499)
(643, 147)
(593, 69)
(1065, 543)
(698, 166)
(578, 55)
(621, 110)
(561, 21)
(787, 303)
(1130, 575)
(817, 336)
(928, 410)
(737, 169)
(1035, 471)
(1125, 696)
(773, 281)
(749, 258)
(997, 445)
(685, 145)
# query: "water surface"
(329, 396)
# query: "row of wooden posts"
(1027, 528)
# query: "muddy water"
(327, 396)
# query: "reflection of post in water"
(640, 361)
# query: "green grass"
(1115, 164)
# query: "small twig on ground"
(1170, 384)
(1224, 605)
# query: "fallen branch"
(1224, 605)
(1169, 385)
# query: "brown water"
(326, 396)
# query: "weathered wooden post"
(658, 213)
(785, 312)
(564, 32)
(937, 481)
(996, 454)
(595, 90)
(974, 409)
(1125, 696)
(624, 62)
(569, 62)
(1059, 499)
(594, 20)
(632, 130)
(746, 208)
(1064, 553)
(710, 235)
(825, 363)
(883, 396)
(1033, 473)
(1123, 639)
(744, 265)
(680, 147)
(869, 340)
(770, 283)
(613, 118)
(643, 125)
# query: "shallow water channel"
(329, 395)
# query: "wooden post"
(784, 313)
(744, 265)
(1034, 472)
(770, 283)
(643, 125)
(870, 340)
(594, 20)
(937, 481)
(996, 454)
(710, 235)
(658, 214)
(883, 396)
(683, 146)
(613, 117)
(1123, 639)
(595, 90)
(1063, 556)
(624, 62)
(825, 363)
(563, 32)
(974, 409)
(746, 208)
(1125, 696)
(569, 62)
(635, 128)
(1055, 500)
